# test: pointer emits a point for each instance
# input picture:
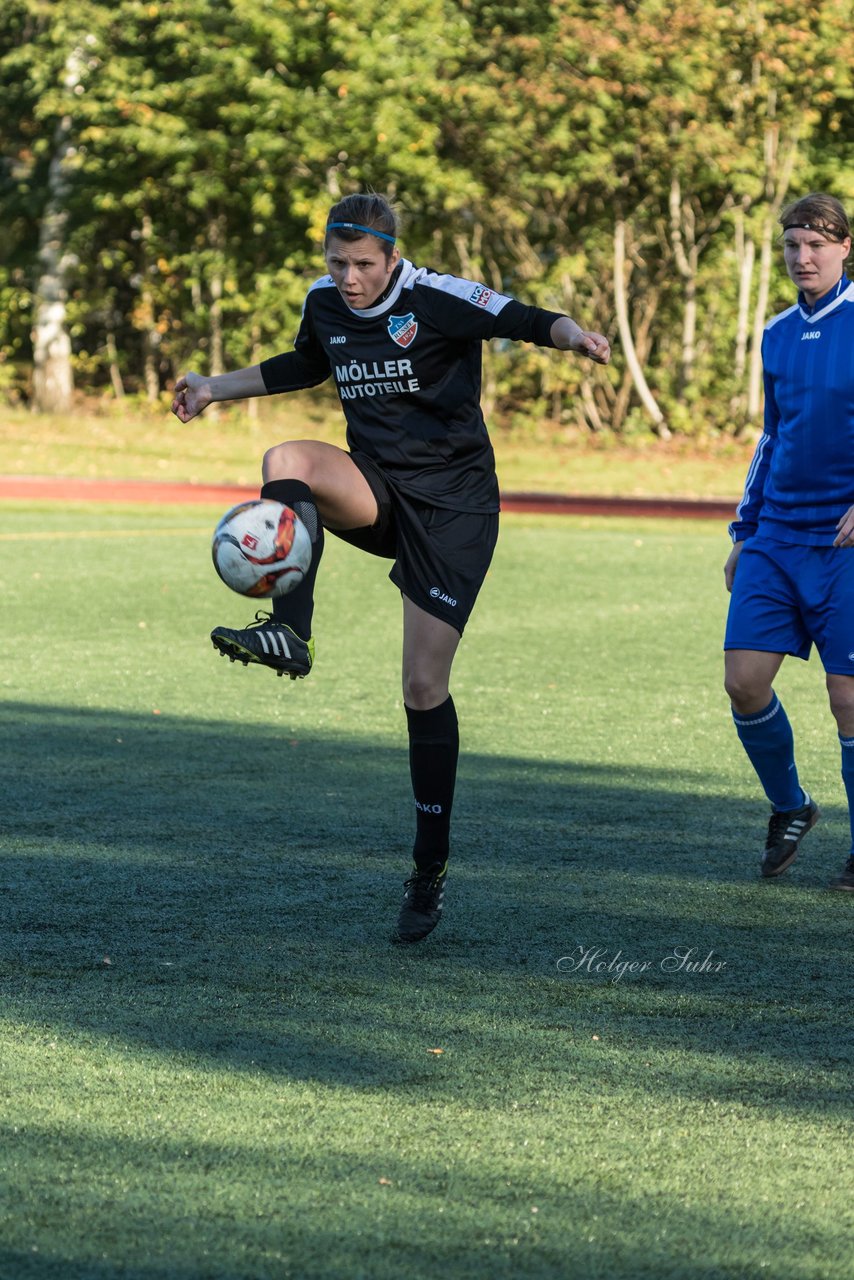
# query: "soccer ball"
(261, 548)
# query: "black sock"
(434, 745)
(296, 608)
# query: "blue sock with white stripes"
(767, 738)
(847, 745)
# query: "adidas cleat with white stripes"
(786, 830)
(422, 903)
(269, 643)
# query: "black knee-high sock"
(297, 607)
(434, 745)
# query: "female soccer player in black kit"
(417, 484)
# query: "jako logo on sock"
(427, 808)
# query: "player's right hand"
(192, 394)
(732, 564)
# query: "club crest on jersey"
(403, 329)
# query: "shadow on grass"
(481, 1229)
(225, 892)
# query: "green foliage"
(209, 140)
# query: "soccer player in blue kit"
(791, 569)
(416, 484)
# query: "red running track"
(51, 488)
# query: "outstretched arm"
(569, 336)
(193, 393)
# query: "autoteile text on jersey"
(375, 378)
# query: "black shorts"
(440, 557)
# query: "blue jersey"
(801, 479)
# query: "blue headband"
(354, 226)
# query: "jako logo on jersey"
(481, 296)
(811, 333)
(403, 329)
(337, 339)
(428, 808)
(436, 594)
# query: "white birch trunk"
(754, 385)
(778, 177)
(151, 338)
(252, 402)
(115, 372)
(686, 263)
(53, 380)
(745, 253)
(624, 325)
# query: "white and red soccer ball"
(261, 549)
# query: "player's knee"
(745, 692)
(841, 693)
(288, 461)
(421, 691)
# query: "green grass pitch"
(214, 1064)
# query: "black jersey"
(408, 372)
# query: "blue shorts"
(786, 597)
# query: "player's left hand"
(192, 394)
(845, 530)
(593, 345)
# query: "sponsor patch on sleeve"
(481, 296)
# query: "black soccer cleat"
(786, 830)
(846, 880)
(422, 904)
(269, 643)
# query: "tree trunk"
(252, 402)
(216, 239)
(115, 372)
(778, 175)
(682, 229)
(643, 344)
(745, 254)
(754, 384)
(151, 338)
(53, 380)
(217, 348)
(591, 409)
(621, 305)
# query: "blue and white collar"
(842, 291)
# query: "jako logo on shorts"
(436, 594)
